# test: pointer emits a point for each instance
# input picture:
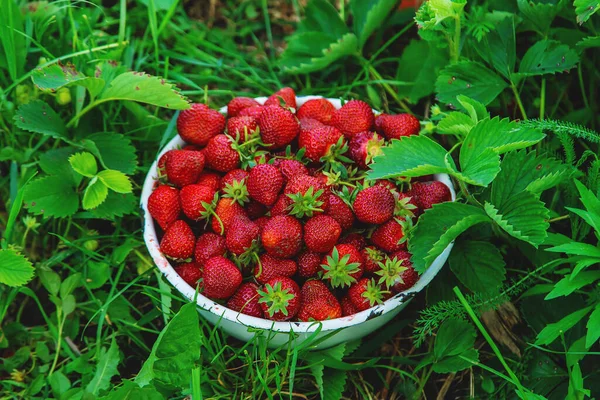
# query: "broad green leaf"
(144, 88)
(106, 368)
(548, 57)
(15, 269)
(97, 273)
(455, 123)
(175, 351)
(438, 227)
(84, 164)
(522, 216)
(593, 328)
(115, 180)
(50, 280)
(477, 265)
(368, 15)
(576, 389)
(54, 76)
(475, 109)
(56, 162)
(576, 249)
(410, 156)
(71, 282)
(38, 117)
(592, 204)
(481, 168)
(585, 9)
(540, 13)
(115, 205)
(51, 196)
(68, 304)
(454, 337)
(589, 42)
(582, 265)
(552, 331)
(116, 151)
(471, 79)
(131, 391)
(447, 8)
(568, 285)
(500, 51)
(321, 16)
(456, 363)
(95, 193)
(59, 383)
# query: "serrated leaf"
(475, 109)
(144, 88)
(539, 13)
(499, 47)
(38, 117)
(115, 205)
(593, 328)
(589, 42)
(481, 169)
(585, 9)
(95, 193)
(438, 227)
(477, 265)
(454, 336)
(51, 196)
(591, 215)
(455, 123)
(548, 57)
(334, 382)
(369, 16)
(411, 156)
(321, 16)
(56, 162)
(116, 151)
(115, 180)
(568, 285)
(577, 249)
(456, 363)
(471, 79)
(444, 9)
(84, 164)
(131, 391)
(54, 76)
(552, 331)
(15, 269)
(106, 368)
(522, 216)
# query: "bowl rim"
(153, 246)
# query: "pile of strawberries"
(268, 210)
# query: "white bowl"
(244, 327)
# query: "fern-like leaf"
(566, 127)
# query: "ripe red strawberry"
(238, 104)
(397, 126)
(220, 156)
(278, 127)
(178, 241)
(374, 205)
(365, 294)
(317, 303)
(310, 123)
(261, 222)
(197, 201)
(290, 168)
(199, 123)
(318, 140)
(342, 266)
(379, 123)
(253, 111)
(355, 116)
(340, 211)
(161, 165)
(280, 299)
(221, 278)
(321, 233)
(426, 194)
(389, 236)
(255, 210)
(234, 175)
(372, 256)
(226, 210)
(271, 267)
(309, 263)
(319, 109)
(347, 306)
(164, 205)
(241, 128)
(209, 245)
(183, 167)
(245, 300)
(309, 195)
(286, 94)
(210, 179)
(406, 206)
(402, 273)
(282, 236)
(233, 186)
(282, 205)
(190, 272)
(240, 235)
(265, 183)
(388, 184)
(365, 146)
(355, 239)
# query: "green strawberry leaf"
(369, 16)
(481, 168)
(552, 331)
(568, 285)
(589, 42)
(471, 79)
(52, 196)
(38, 117)
(475, 109)
(56, 162)
(444, 9)
(84, 164)
(585, 9)
(548, 57)
(15, 269)
(477, 265)
(116, 151)
(115, 181)
(593, 328)
(455, 123)
(540, 13)
(455, 338)
(94, 194)
(115, 205)
(54, 76)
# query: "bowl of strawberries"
(261, 213)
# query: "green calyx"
(237, 191)
(338, 270)
(407, 227)
(249, 150)
(404, 208)
(374, 254)
(390, 272)
(305, 204)
(373, 293)
(374, 148)
(335, 155)
(209, 210)
(277, 298)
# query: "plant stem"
(59, 313)
(543, 99)
(456, 40)
(518, 98)
(562, 217)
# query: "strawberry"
(199, 123)
(183, 167)
(317, 303)
(220, 156)
(290, 168)
(398, 272)
(210, 179)
(237, 174)
(374, 205)
(426, 194)
(233, 186)
(286, 94)
(342, 266)
(209, 245)
(245, 300)
(190, 272)
(347, 306)
(309, 195)
(406, 206)
(221, 278)
(226, 210)
(355, 116)
(318, 141)
(261, 222)
(280, 299)
(241, 234)
(397, 126)
(278, 126)
(309, 263)
(282, 205)
(379, 123)
(318, 109)
(238, 104)
(355, 240)
(271, 267)
(340, 211)
(197, 201)
(372, 256)
(253, 111)
(388, 184)
(178, 241)
(321, 233)
(389, 236)
(282, 236)
(264, 183)
(365, 294)
(364, 146)
(241, 128)
(164, 205)
(310, 123)
(255, 210)
(161, 165)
